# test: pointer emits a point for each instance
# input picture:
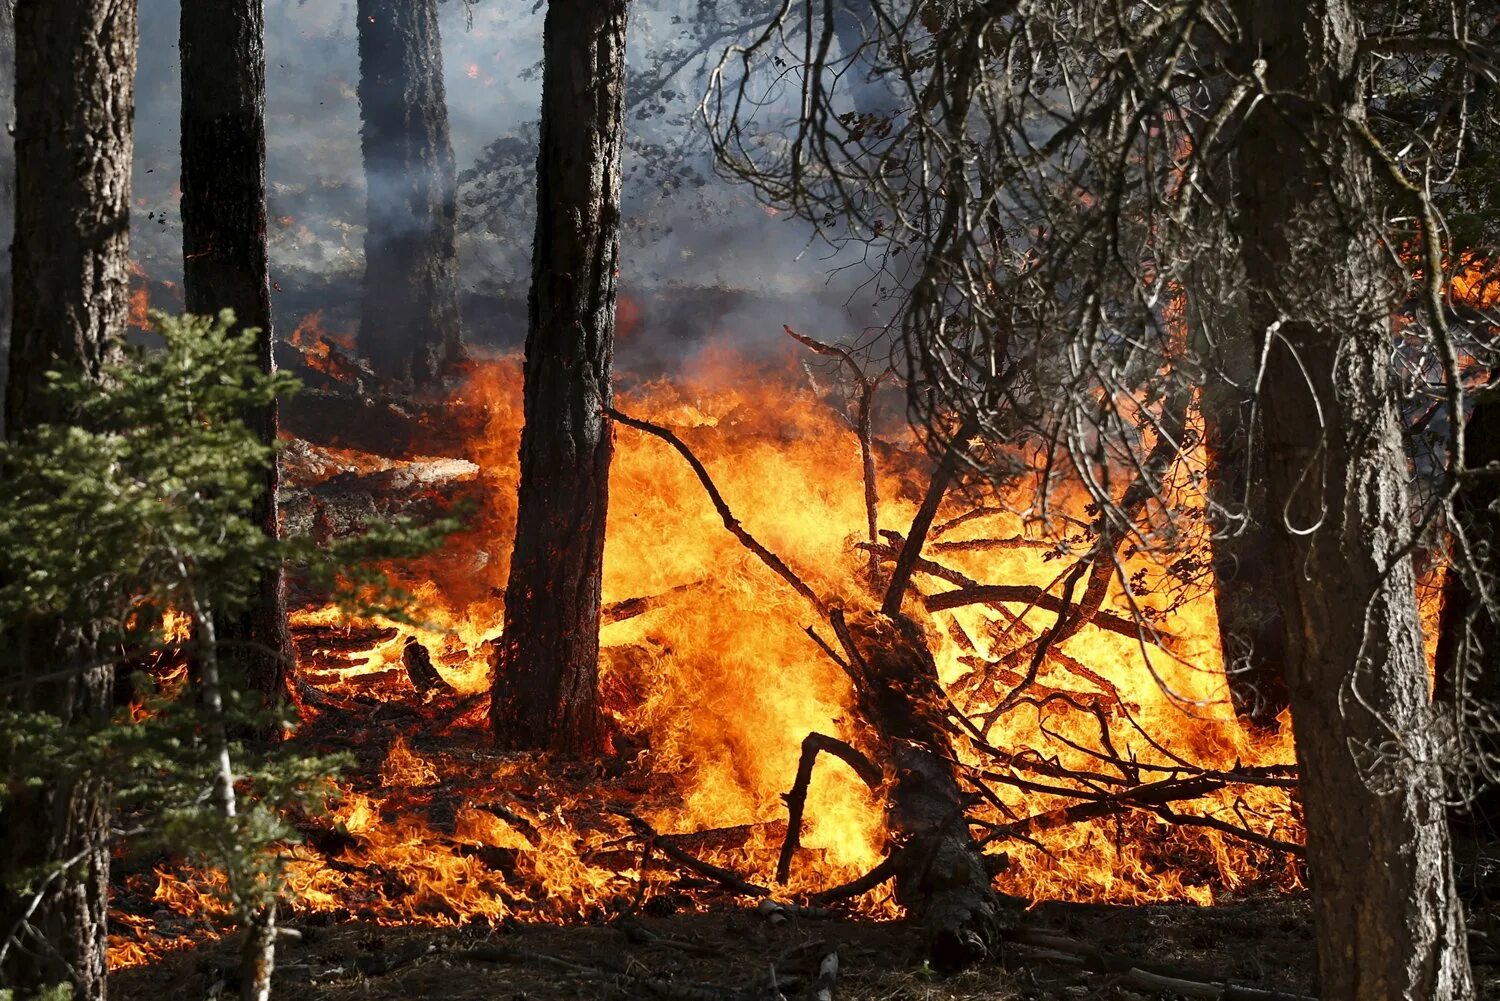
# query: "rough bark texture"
(409, 327)
(1388, 921)
(225, 263)
(75, 72)
(546, 663)
(942, 878)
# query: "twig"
(917, 535)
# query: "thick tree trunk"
(75, 73)
(1388, 921)
(225, 263)
(546, 663)
(409, 327)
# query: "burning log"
(943, 878)
(418, 664)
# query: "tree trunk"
(7, 182)
(546, 663)
(1468, 652)
(409, 325)
(1251, 629)
(1389, 925)
(75, 73)
(225, 264)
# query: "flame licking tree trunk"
(409, 325)
(225, 263)
(546, 662)
(75, 75)
(1380, 860)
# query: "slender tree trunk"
(75, 73)
(546, 663)
(409, 327)
(1389, 925)
(7, 182)
(225, 263)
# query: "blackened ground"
(1266, 944)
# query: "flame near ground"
(712, 689)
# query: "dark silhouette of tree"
(546, 662)
(225, 263)
(409, 325)
(75, 72)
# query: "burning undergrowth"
(1110, 766)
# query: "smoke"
(702, 261)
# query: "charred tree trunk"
(1251, 629)
(943, 879)
(1389, 925)
(7, 182)
(75, 74)
(225, 264)
(546, 663)
(409, 325)
(1468, 652)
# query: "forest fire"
(1124, 774)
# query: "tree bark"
(546, 662)
(225, 265)
(1389, 925)
(7, 182)
(75, 73)
(409, 325)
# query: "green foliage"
(141, 506)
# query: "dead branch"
(673, 991)
(1161, 979)
(418, 663)
(863, 413)
(664, 844)
(917, 535)
(994, 594)
(796, 800)
(629, 608)
(770, 559)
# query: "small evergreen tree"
(119, 524)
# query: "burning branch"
(732, 523)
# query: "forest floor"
(732, 954)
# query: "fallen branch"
(1155, 977)
(690, 862)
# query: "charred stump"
(943, 879)
(409, 327)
